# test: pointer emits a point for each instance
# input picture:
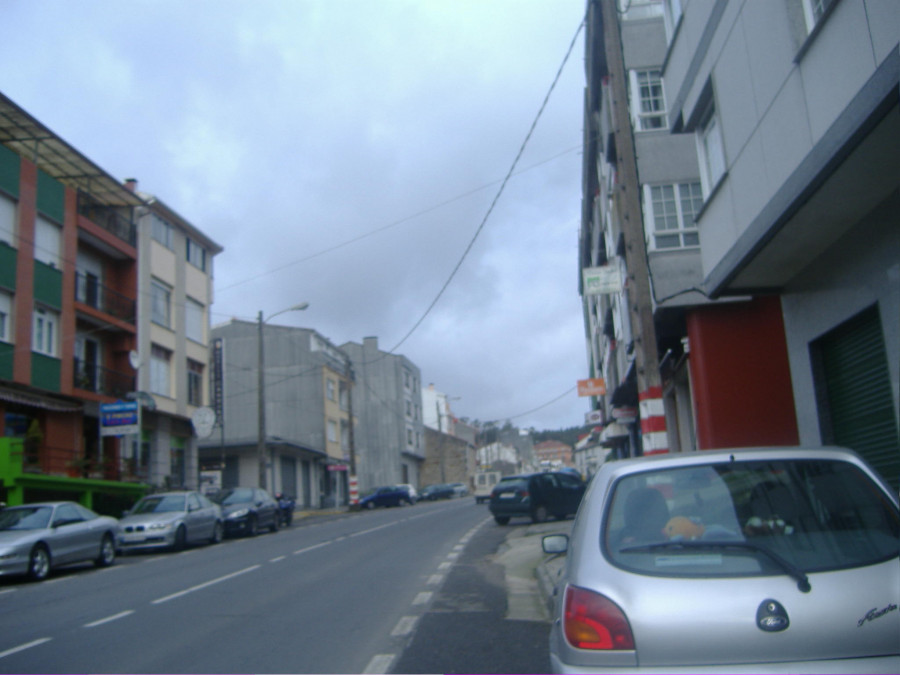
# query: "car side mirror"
(555, 544)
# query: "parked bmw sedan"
(764, 560)
(246, 509)
(36, 538)
(170, 520)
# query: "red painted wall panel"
(740, 375)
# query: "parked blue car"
(391, 495)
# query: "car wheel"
(180, 538)
(502, 520)
(39, 563)
(539, 514)
(107, 552)
(218, 533)
(275, 523)
(252, 527)
(370, 505)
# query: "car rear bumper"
(877, 664)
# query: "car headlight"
(159, 526)
(240, 513)
(8, 554)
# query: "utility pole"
(654, 439)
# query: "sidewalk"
(531, 574)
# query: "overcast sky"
(345, 153)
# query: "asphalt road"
(345, 594)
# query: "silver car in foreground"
(758, 560)
(170, 520)
(38, 537)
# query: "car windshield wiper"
(794, 571)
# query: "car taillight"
(592, 621)
(523, 494)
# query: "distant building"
(436, 413)
(448, 459)
(307, 405)
(553, 453)
(387, 404)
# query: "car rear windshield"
(512, 484)
(750, 518)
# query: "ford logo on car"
(771, 617)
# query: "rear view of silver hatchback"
(758, 560)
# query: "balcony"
(39, 459)
(89, 291)
(100, 380)
(109, 218)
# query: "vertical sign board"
(217, 383)
(120, 418)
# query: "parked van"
(484, 483)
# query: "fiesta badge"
(771, 617)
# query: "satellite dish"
(134, 359)
(203, 420)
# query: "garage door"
(856, 406)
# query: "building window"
(160, 360)
(47, 242)
(5, 317)
(193, 320)
(330, 389)
(813, 11)
(45, 332)
(409, 437)
(160, 299)
(671, 210)
(671, 17)
(7, 221)
(647, 100)
(710, 151)
(194, 382)
(332, 431)
(161, 232)
(196, 255)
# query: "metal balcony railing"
(100, 380)
(51, 461)
(110, 218)
(91, 292)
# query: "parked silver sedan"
(761, 560)
(38, 537)
(170, 520)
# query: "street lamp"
(261, 390)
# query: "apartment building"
(307, 440)
(68, 296)
(778, 321)
(387, 402)
(175, 291)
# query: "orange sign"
(593, 387)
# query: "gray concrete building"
(387, 404)
(307, 382)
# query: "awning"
(39, 401)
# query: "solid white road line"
(205, 585)
(27, 645)
(100, 622)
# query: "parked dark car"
(246, 510)
(434, 492)
(391, 495)
(536, 496)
